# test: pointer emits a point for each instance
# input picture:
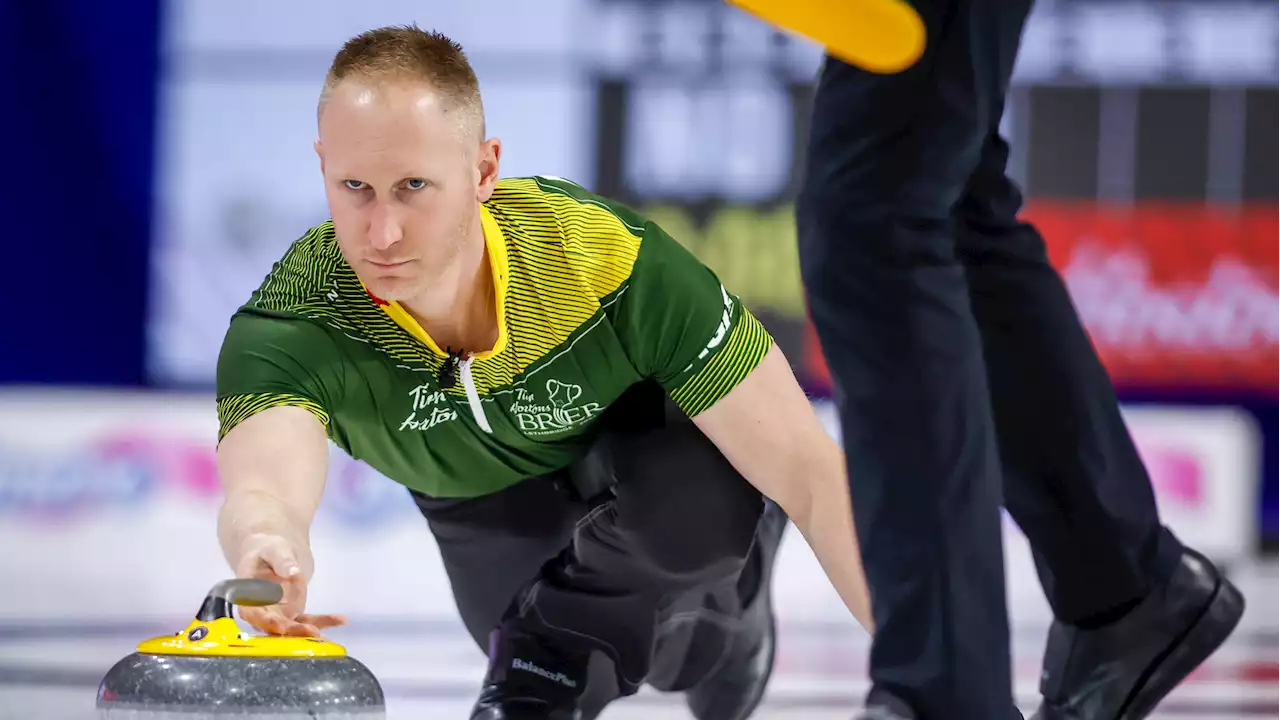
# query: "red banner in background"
(1173, 295)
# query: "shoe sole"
(1203, 637)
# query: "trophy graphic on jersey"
(562, 396)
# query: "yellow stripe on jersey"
(234, 409)
(745, 348)
(564, 255)
(496, 244)
(604, 246)
(314, 281)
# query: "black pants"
(963, 377)
(639, 553)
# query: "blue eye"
(415, 183)
(353, 184)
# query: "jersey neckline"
(496, 246)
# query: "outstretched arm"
(767, 429)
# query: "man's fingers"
(279, 625)
(322, 621)
(298, 629)
(267, 622)
(253, 615)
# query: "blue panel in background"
(77, 205)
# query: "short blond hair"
(404, 52)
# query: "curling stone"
(213, 670)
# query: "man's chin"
(384, 288)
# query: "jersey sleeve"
(681, 326)
(269, 361)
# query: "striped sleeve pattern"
(235, 409)
(745, 348)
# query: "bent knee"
(690, 514)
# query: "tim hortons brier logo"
(558, 414)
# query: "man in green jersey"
(589, 422)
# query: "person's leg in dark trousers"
(1073, 478)
(493, 545)
(888, 158)
(652, 580)
(1135, 611)
(666, 576)
(686, 540)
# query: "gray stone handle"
(241, 591)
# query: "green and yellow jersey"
(591, 299)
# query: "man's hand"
(272, 557)
(273, 467)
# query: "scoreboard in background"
(1149, 166)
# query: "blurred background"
(160, 159)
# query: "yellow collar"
(496, 245)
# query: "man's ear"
(487, 165)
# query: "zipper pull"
(448, 376)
